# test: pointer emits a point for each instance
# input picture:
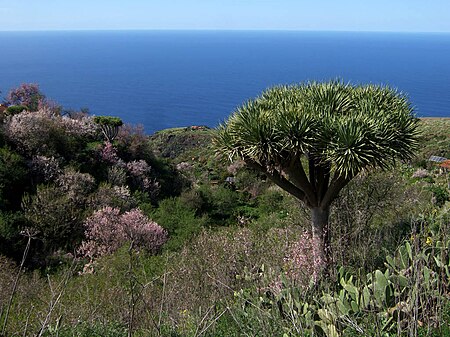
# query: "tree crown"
(339, 129)
(346, 127)
(108, 120)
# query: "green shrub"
(271, 201)
(179, 220)
(57, 217)
(440, 195)
(11, 242)
(221, 203)
(13, 179)
(15, 109)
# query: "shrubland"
(123, 234)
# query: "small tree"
(27, 94)
(109, 126)
(312, 139)
(107, 230)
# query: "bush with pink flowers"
(107, 230)
(302, 264)
(27, 94)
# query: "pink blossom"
(109, 153)
(30, 130)
(107, 230)
(104, 234)
(138, 168)
(142, 231)
(303, 264)
(27, 94)
(421, 173)
(47, 168)
(140, 171)
(49, 105)
(75, 185)
(81, 127)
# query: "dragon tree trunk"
(321, 238)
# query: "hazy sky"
(354, 15)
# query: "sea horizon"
(409, 32)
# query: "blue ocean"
(165, 79)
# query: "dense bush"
(133, 144)
(13, 179)
(179, 220)
(107, 230)
(27, 94)
(15, 109)
(42, 133)
(375, 211)
(57, 218)
(440, 195)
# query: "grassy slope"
(99, 301)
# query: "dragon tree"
(109, 126)
(312, 139)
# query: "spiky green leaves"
(109, 126)
(347, 128)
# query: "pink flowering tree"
(139, 172)
(108, 154)
(44, 169)
(44, 133)
(79, 126)
(33, 132)
(142, 231)
(107, 230)
(27, 94)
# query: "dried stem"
(30, 235)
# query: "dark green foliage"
(57, 216)
(15, 109)
(271, 201)
(221, 202)
(179, 220)
(170, 180)
(12, 243)
(195, 200)
(440, 195)
(13, 179)
(108, 120)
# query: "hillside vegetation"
(105, 231)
